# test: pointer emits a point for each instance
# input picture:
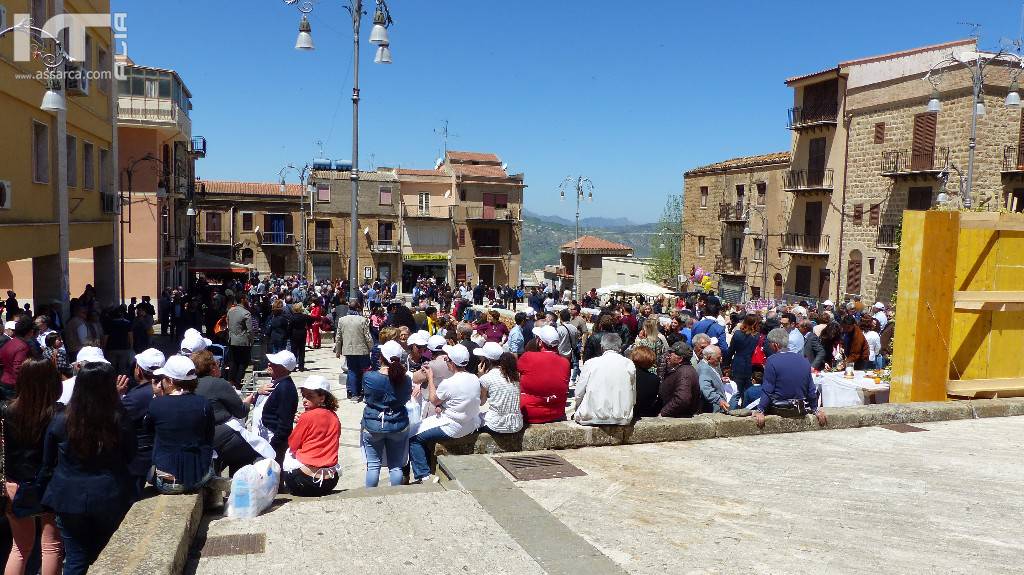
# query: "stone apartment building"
(864, 148)
(721, 202)
(246, 225)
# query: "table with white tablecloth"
(836, 390)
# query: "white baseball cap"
(879, 305)
(178, 367)
(530, 312)
(436, 342)
(9, 325)
(457, 353)
(419, 338)
(284, 358)
(492, 350)
(89, 354)
(194, 343)
(315, 383)
(150, 359)
(391, 350)
(547, 334)
(827, 303)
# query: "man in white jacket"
(606, 388)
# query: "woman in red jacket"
(311, 464)
(313, 337)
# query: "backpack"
(758, 359)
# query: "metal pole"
(974, 132)
(302, 232)
(353, 257)
(576, 244)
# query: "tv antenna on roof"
(320, 144)
(975, 29)
(445, 134)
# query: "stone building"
(864, 148)
(721, 201)
(593, 252)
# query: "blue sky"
(630, 94)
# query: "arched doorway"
(853, 272)
(778, 286)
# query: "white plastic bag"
(253, 488)
(415, 408)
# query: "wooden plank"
(989, 306)
(976, 296)
(992, 221)
(974, 386)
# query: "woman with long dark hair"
(499, 389)
(25, 422)
(385, 418)
(85, 465)
(741, 353)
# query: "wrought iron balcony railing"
(278, 239)
(812, 115)
(213, 237)
(733, 212)
(730, 266)
(198, 146)
(924, 160)
(888, 237)
(492, 214)
(799, 180)
(487, 251)
(385, 247)
(805, 244)
(1013, 159)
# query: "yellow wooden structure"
(960, 309)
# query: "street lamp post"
(976, 63)
(764, 246)
(302, 209)
(379, 36)
(54, 103)
(581, 185)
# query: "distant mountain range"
(543, 235)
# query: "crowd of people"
(100, 407)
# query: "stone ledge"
(154, 537)
(570, 435)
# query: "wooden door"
(824, 281)
(812, 220)
(922, 153)
(487, 274)
(803, 280)
(816, 160)
(853, 272)
(778, 286)
(488, 206)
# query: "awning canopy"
(209, 263)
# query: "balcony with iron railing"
(278, 239)
(923, 161)
(816, 245)
(213, 237)
(492, 214)
(1013, 159)
(323, 245)
(808, 180)
(732, 213)
(385, 247)
(198, 147)
(427, 212)
(814, 114)
(888, 237)
(730, 265)
(487, 251)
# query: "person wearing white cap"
(136, 405)
(544, 379)
(87, 354)
(879, 315)
(310, 467)
(499, 383)
(385, 424)
(458, 398)
(417, 357)
(274, 415)
(194, 342)
(182, 426)
(437, 363)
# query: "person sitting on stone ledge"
(680, 393)
(499, 388)
(543, 379)
(787, 377)
(182, 425)
(310, 467)
(712, 385)
(700, 341)
(647, 404)
(606, 388)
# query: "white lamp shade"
(191, 212)
(379, 35)
(383, 55)
(942, 198)
(1013, 100)
(934, 105)
(53, 102)
(305, 39)
(979, 109)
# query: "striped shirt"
(503, 414)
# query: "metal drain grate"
(530, 467)
(903, 428)
(224, 545)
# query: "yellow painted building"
(42, 152)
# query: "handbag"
(791, 408)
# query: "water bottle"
(241, 501)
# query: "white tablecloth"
(837, 391)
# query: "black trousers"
(239, 357)
(305, 486)
(299, 349)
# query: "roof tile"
(597, 244)
(741, 163)
(454, 156)
(249, 188)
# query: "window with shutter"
(858, 214)
(385, 196)
(874, 215)
(816, 160)
(853, 270)
(703, 196)
(462, 237)
(700, 245)
(880, 133)
(323, 192)
(922, 153)
(247, 221)
(762, 192)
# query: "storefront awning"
(429, 257)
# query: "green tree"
(665, 243)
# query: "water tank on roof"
(343, 165)
(321, 164)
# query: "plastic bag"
(415, 408)
(253, 488)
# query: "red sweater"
(544, 386)
(12, 354)
(314, 440)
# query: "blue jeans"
(85, 536)
(357, 365)
(419, 446)
(392, 446)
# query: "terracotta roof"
(832, 70)
(454, 156)
(267, 189)
(411, 172)
(741, 163)
(378, 176)
(596, 244)
(478, 171)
